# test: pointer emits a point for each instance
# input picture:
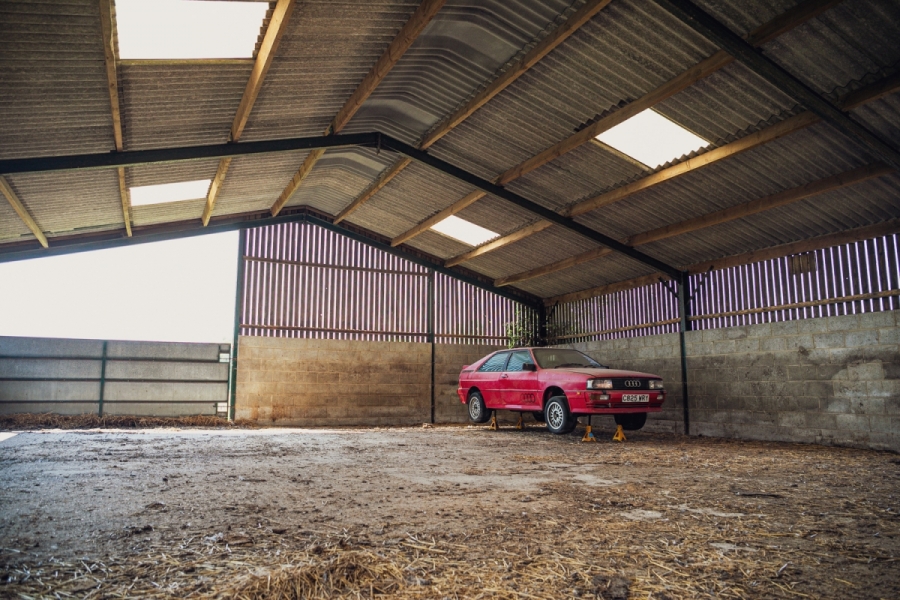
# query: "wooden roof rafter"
(269, 46)
(110, 54)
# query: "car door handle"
(504, 376)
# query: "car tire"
(478, 412)
(558, 417)
(538, 416)
(631, 421)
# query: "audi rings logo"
(633, 383)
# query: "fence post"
(684, 326)
(102, 380)
(238, 302)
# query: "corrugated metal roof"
(626, 50)
(461, 49)
(53, 99)
(325, 52)
(180, 105)
(63, 203)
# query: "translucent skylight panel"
(188, 29)
(464, 231)
(652, 139)
(169, 192)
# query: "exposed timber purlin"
(707, 26)
(378, 140)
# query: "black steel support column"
(238, 302)
(542, 325)
(430, 316)
(684, 326)
(102, 381)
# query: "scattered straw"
(92, 421)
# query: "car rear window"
(494, 363)
(517, 359)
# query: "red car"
(557, 386)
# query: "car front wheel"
(556, 413)
(631, 421)
(478, 412)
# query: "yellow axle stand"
(620, 435)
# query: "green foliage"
(523, 330)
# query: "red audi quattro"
(557, 386)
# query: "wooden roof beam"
(391, 56)
(107, 26)
(500, 83)
(762, 34)
(825, 241)
(740, 211)
(20, 209)
(267, 49)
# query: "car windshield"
(555, 358)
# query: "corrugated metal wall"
(853, 278)
(65, 376)
(301, 280)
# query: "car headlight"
(656, 384)
(599, 384)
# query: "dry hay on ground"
(23, 421)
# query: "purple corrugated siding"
(848, 279)
(301, 280)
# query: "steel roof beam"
(706, 25)
(533, 207)
(87, 161)
(163, 155)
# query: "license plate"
(635, 397)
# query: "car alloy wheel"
(478, 412)
(559, 419)
(555, 416)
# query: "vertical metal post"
(430, 310)
(542, 325)
(685, 326)
(102, 381)
(238, 305)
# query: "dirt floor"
(443, 512)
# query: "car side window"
(494, 363)
(517, 359)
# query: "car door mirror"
(529, 366)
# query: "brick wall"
(833, 380)
(310, 382)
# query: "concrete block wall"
(831, 380)
(448, 361)
(314, 382)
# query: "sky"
(174, 291)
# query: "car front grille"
(627, 383)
